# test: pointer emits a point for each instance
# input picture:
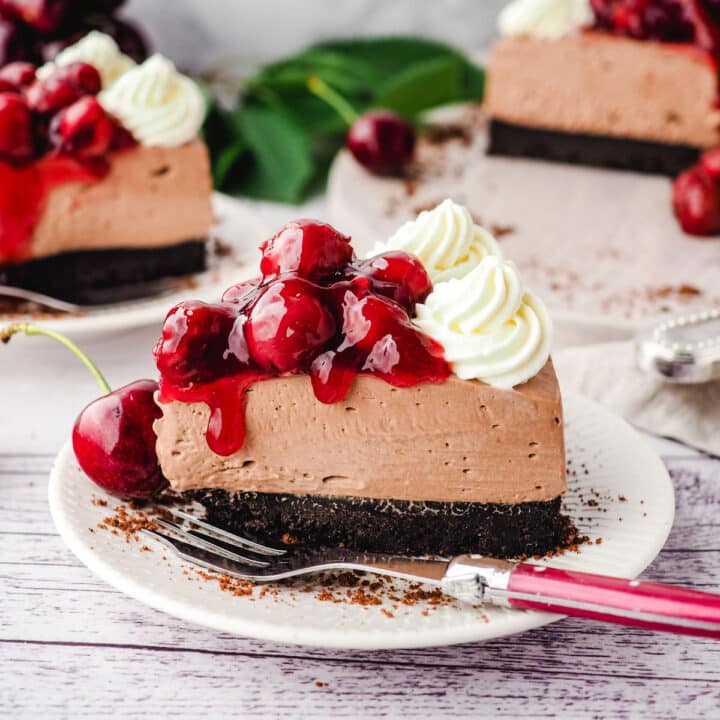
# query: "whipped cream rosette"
(544, 18)
(445, 239)
(160, 106)
(491, 327)
(97, 49)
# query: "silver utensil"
(138, 293)
(470, 578)
(684, 349)
(38, 298)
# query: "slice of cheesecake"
(432, 468)
(592, 95)
(337, 401)
(117, 191)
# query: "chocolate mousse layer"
(457, 441)
(391, 526)
(647, 97)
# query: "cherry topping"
(243, 294)
(710, 162)
(399, 276)
(16, 134)
(696, 202)
(63, 86)
(679, 21)
(44, 16)
(83, 129)
(199, 343)
(289, 325)
(18, 74)
(114, 442)
(382, 141)
(312, 249)
(391, 345)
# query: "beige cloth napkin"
(607, 373)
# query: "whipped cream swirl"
(544, 18)
(492, 329)
(98, 49)
(156, 103)
(445, 239)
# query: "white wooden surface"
(70, 646)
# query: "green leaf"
(281, 163)
(279, 143)
(422, 85)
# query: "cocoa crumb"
(321, 684)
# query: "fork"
(470, 578)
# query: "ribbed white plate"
(235, 225)
(619, 464)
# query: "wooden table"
(71, 646)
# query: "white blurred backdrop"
(199, 33)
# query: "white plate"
(633, 531)
(601, 247)
(236, 226)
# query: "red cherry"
(382, 142)
(114, 441)
(243, 294)
(399, 276)
(83, 129)
(696, 202)
(18, 74)
(16, 134)
(44, 16)
(200, 343)
(288, 325)
(312, 249)
(710, 162)
(392, 347)
(63, 86)
(13, 43)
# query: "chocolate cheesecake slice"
(107, 185)
(344, 402)
(465, 465)
(592, 95)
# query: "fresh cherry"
(696, 202)
(399, 276)
(288, 325)
(382, 141)
(113, 436)
(200, 343)
(16, 132)
(83, 129)
(114, 441)
(310, 248)
(710, 162)
(18, 74)
(62, 87)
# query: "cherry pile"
(57, 115)
(696, 196)
(37, 30)
(680, 21)
(317, 310)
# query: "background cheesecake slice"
(112, 188)
(595, 95)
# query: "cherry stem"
(30, 329)
(333, 98)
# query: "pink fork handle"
(628, 602)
